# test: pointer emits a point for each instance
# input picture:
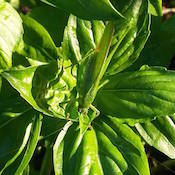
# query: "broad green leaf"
(160, 134)
(11, 104)
(130, 38)
(13, 143)
(155, 7)
(91, 9)
(53, 22)
(32, 143)
(146, 93)
(80, 36)
(10, 33)
(160, 48)
(106, 148)
(46, 87)
(37, 44)
(24, 143)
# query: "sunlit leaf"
(136, 95)
(106, 148)
(11, 32)
(160, 134)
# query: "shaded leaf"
(37, 44)
(89, 10)
(13, 143)
(53, 22)
(160, 47)
(11, 104)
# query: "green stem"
(47, 163)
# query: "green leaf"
(26, 137)
(11, 104)
(130, 38)
(106, 148)
(80, 37)
(155, 7)
(11, 33)
(56, 151)
(37, 45)
(92, 9)
(53, 22)
(160, 48)
(160, 134)
(146, 93)
(32, 143)
(13, 143)
(46, 87)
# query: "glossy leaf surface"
(82, 37)
(37, 45)
(130, 37)
(160, 47)
(92, 9)
(10, 33)
(155, 7)
(160, 134)
(106, 148)
(13, 143)
(45, 87)
(32, 143)
(142, 94)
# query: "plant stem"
(47, 161)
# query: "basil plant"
(66, 89)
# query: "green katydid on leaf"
(10, 34)
(88, 44)
(73, 101)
